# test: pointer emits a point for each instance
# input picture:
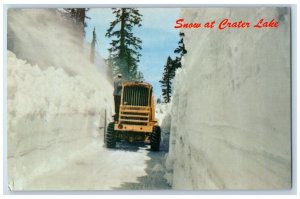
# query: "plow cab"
(136, 118)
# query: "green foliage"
(166, 82)
(180, 50)
(125, 47)
(170, 70)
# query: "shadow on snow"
(154, 178)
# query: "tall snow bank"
(50, 70)
(41, 93)
(162, 114)
(56, 97)
(230, 125)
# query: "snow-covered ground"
(75, 158)
(230, 114)
(56, 104)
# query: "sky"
(158, 35)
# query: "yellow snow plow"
(136, 118)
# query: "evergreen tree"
(181, 47)
(170, 69)
(110, 67)
(93, 45)
(166, 82)
(180, 50)
(79, 17)
(125, 46)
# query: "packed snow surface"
(73, 156)
(230, 114)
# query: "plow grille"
(135, 115)
(135, 108)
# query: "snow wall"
(55, 95)
(231, 119)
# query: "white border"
(166, 3)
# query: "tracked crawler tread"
(155, 138)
